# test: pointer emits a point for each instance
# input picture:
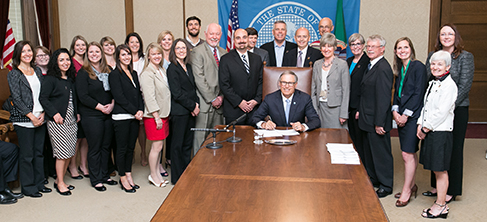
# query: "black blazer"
(21, 94)
(128, 99)
(90, 93)
(236, 84)
(291, 57)
(414, 86)
(375, 100)
(356, 80)
(183, 89)
(272, 53)
(301, 107)
(54, 96)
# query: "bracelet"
(422, 130)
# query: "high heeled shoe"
(151, 181)
(65, 193)
(87, 175)
(426, 212)
(451, 199)
(79, 177)
(429, 194)
(126, 190)
(414, 190)
(70, 187)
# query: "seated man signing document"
(287, 107)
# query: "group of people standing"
(113, 95)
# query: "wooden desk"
(248, 182)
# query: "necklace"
(325, 65)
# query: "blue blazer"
(301, 107)
(413, 89)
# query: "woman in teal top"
(408, 101)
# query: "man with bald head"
(205, 60)
(326, 26)
(240, 77)
(303, 55)
(279, 46)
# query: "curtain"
(42, 9)
(4, 6)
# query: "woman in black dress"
(126, 114)
(58, 96)
(184, 107)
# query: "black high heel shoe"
(429, 194)
(426, 212)
(79, 177)
(126, 190)
(452, 199)
(65, 193)
(70, 187)
(135, 186)
(85, 175)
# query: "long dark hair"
(457, 45)
(18, 52)
(53, 67)
(140, 53)
(118, 50)
(172, 53)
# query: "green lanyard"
(403, 74)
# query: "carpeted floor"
(87, 204)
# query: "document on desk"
(343, 154)
(276, 133)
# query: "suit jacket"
(54, 96)
(183, 89)
(263, 54)
(155, 88)
(412, 93)
(128, 98)
(21, 94)
(375, 100)
(356, 80)
(291, 57)
(205, 71)
(90, 92)
(236, 84)
(301, 107)
(269, 47)
(338, 82)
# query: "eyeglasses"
(284, 83)
(180, 48)
(355, 45)
(447, 34)
(372, 46)
(42, 56)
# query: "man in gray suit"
(205, 60)
(253, 35)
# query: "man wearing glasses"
(375, 117)
(287, 107)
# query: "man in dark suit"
(253, 35)
(302, 55)
(375, 117)
(287, 107)
(240, 78)
(279, 46)
(9, 167)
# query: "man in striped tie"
(240, 76)
(205, 60)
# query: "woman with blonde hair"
(108, 45)
(165, 39)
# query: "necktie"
(246, 64)
(216, 57)
(286, 111)
(368, 67)
(300, 59)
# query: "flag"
(8, 47)
(232, 24)
(340, 32)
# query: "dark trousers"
(31, 161)
(99, 133)
(455, 174)
(9, 163)
(112, 154)
(49, 160)
(126, 132)
(181, 143)
(378, 159)
(355, 134)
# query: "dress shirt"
(373, 62)
(259, 124)
(246, 57)
(191, 42)
(213, 50)
(279, 53)
(303, 56)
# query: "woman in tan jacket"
(157, 99)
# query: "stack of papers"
(343, 154)
(276, 133)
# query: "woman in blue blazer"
(409, 91)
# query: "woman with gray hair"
(435, 126)
(330, 86)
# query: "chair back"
(271, 76)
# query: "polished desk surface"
(248, 182)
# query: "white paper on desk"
(343, 153)
(345, 159)
(268, 133)
(290, 132)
